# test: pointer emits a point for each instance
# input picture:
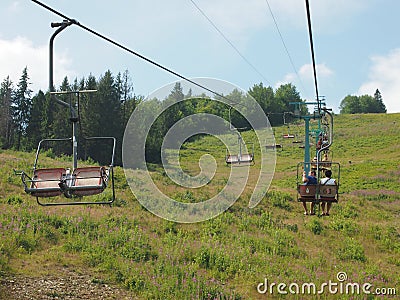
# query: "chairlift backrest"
(45, 182)
(89, 181)
(307, 190)
(328, 191)
(231, 159)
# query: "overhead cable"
(312, 53)
(284, 44)
(229, 42)
(119, 45)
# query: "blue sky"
(356, 42)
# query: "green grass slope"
(229, 256)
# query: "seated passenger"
(328, 180)
(309, 180)
(325, 161)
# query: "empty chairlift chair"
(89, 181)
(81, 182)
(240, 158)
(45, 182)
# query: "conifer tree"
(6, 121)
(381, 108)
(36, 124)
(21, 106)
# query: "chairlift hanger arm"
(61, 26)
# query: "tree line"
(25, 119)
(363, 104)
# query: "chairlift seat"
(232, 159)
(307, 192)
(237, 159)
(288, 136)
(273, 146)
(89, 181)
(46, 182)
(245, 158)
(328, 193)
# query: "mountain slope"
(229, 256)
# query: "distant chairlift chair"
(273, 146)
(288, 135)
(241, 157)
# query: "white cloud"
(324, 13)
(384, 74)
(305, 74)
(18, 53)
(14, 6)
(234, 17)
(239, 19)
(306, 71)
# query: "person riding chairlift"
(309, 180)
(328, 180)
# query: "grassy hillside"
(228, 256)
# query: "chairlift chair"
(78, 183)
(273, 146)
(241, 157)
(297, 139)
(318, 192)
(288, 135)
